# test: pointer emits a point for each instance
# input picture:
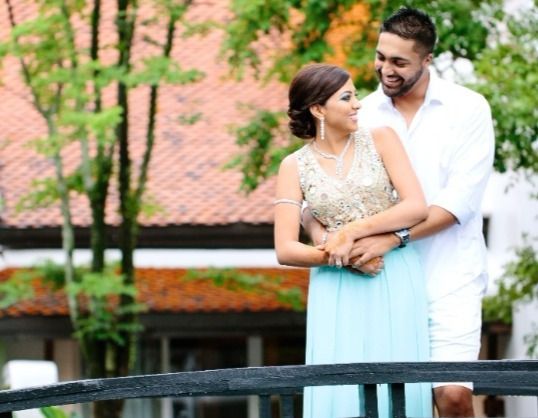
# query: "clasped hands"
(365, 254)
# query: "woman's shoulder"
(383, 132)
(384, 136)
(375, 140)
(289, 160)
(292, 160)
(300, 154)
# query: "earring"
(322, 128)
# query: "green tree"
(505, 72)
(67, 81)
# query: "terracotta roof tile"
(186, 177)
(168, 290)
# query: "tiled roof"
(186, 177)
(170, 291)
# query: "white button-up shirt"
(450, 143)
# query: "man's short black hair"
(414, 24)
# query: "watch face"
(404, 237)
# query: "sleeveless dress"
(353, 317)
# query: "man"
(448, 133)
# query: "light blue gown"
(353, 317)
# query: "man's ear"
(428, 59)
(317, 111)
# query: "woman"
(356, 183)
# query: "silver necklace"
(339, 170)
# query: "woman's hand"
(338, 247)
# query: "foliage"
(104, 317)
(80, 86)
(14, 290)
(55, 412)
(236, 280)
(505, 73)
(519, 283)
(531, 340)
(101, 316)
(267, 143)
(304, 27)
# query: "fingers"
(371, 267)
(356, 251)
(337, 261)
(366, 258)
(338, 254)
(374, 261)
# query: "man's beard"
(404, 88)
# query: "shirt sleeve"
(471, 163)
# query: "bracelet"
(290, 201)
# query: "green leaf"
(519, 283)
(264, 141)
(505, 71)
(16, 289)
(236, 280)
(53, 412)
(190, 119)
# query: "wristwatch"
(403, 235)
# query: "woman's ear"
(317, 111)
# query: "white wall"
(156, 258)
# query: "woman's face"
(340, 111)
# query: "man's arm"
(438, 220)
(318, 234)
(470, 167)
(314, 229)
(377, 245)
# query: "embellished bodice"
(364, 191)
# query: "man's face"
(398, 65)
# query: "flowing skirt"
(357, 318)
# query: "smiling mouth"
(394, 82)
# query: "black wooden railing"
(519, 378)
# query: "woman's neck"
(333, 143)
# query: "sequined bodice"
(365, 190)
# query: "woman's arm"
(410, 210)
(289, 250)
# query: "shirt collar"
(434, 93)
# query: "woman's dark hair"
(313, 84)
(414, 24)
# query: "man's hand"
(371, 268)
(366, 249)
(314, 229)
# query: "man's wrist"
(402, 236)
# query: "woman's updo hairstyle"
(313, 84)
